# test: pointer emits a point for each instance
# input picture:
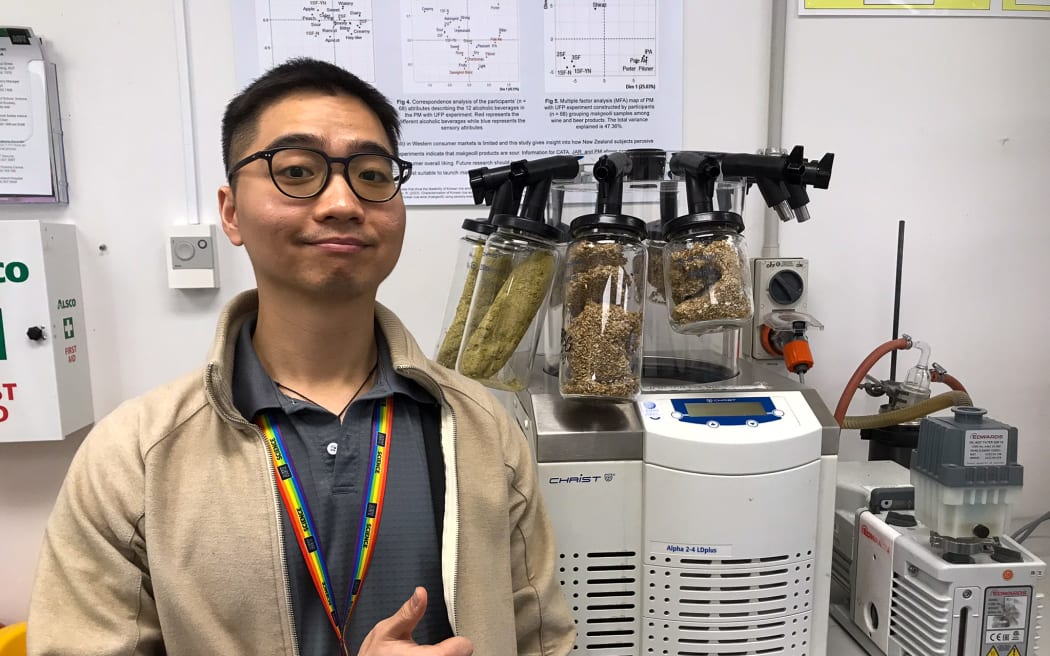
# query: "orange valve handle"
(797, 354)
(766, 334)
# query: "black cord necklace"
(340, 415)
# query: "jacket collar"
(404, 351)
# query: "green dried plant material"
(512, 311)
(449, 349)
(492, 274)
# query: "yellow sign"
(973, 5)
(993, 652)
(998, 8)
(1024, 5)
(1014, 652)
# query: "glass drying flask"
(464, 278)
(552, 328)
(514, 279)
(655, 268)
(706, 272)
(603, 296)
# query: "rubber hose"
(948, 379)
(912, 412)
(862, 370)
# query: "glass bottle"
(706, 271)
(464, 278)
(503, 324)
(655, 268)
(552, 329)
(603, 294)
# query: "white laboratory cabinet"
(45, 383)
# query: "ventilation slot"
(788, 637)
(1037, 622)
(708, 564)
(840, 566)
(920, 617)
(603, 588)
(759, 589)
(727, 606)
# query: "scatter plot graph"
(600, 46)
(452, 46)
(337, 31)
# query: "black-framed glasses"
(304, 172)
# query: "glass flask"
(552, 328)
(603, 298)
(706, 273)
(464, 278)
(503, 324)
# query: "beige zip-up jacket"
(165, 538)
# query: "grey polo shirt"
(331, 458)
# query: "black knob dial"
(36, 333)
(786, 287)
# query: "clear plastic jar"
(654, 276)
(503, 324)
(552, 328)
(706, 271)
(603, 295)
(464, 278)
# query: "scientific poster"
(487, 83)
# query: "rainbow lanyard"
(302, 521)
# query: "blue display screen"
(749, 411)
(736, 409)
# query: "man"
(321, 487)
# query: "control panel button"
(752, 423)
(713, 424)
(184, 250)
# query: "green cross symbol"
(67, 327)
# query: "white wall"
(975, 219)
(944, 123)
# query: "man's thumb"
(404, 621)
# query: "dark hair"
(296, 75)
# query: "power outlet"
(780, 284)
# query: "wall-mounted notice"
(32, 165)
(487, 83)
(985, 8)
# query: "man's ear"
(228, 214)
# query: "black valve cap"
(894, 518)
(981, 531)
(1003, 554)
(36, 333)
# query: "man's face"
(331, 246)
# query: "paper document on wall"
(486, 83)
(31, 163)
